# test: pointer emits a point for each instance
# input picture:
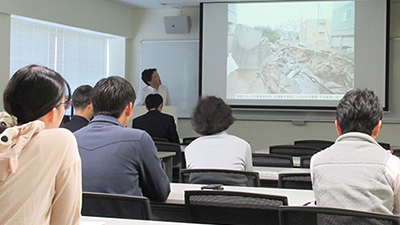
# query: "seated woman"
(216, 149)
(40, 167)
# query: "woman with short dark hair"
(216, 149)
(40, 167)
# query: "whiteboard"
(177, 62)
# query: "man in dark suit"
(154, 122)
(83, 108)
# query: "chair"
(305, 161)
(159, 139)
(293, 150)
(117, 206)
(396, 152)
(188, 140)
(297, 215)
(295, 181)
(321, 144)
(384, 145)
(177, 159)
(225, 207)
(219, 176)
(272, 160)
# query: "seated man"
(154, 85)
(356, 172)
(83, 108)
(154, 122)
(116, 159)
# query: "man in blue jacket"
(117, 159)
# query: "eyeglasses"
(66, 104)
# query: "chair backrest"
(159, 139)
(384, 145)
(295, 181)
(273, 160)
(291, 215)
(225, 207)
(117, 206)
(218, 176)
(171, 147)
(396, 152)
(321, 144)
(293, 150)
(188, 140)
(305, 161)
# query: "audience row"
(43, 170)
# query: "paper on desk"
(91, 223)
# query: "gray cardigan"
(351, 174)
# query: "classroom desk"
(296, 159)
(174, 207)
(89, 220)
(166, 162)
(269, 175)
(272, 173)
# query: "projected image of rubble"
(290, 50)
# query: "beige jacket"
(40, 176)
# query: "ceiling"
(153, 4)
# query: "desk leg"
(167, 167)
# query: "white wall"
(5, 52)
(149, 25)
(97, 15)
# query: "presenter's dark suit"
(157, 124)
(76, 123)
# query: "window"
(347, 15)
(80, 56)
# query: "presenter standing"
(153, 81)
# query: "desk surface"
(272, 173)
(89, 220)
(296, 159)
(295, 197)
(161, 155)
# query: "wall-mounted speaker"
(177, 24)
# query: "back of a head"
(211, 115)
(33, 91)
(111, 95)
(147, 74)
(153, 101)
(81, 97)
(359, 111)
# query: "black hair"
(81, 96)
(211, 115)
(152, 101)
(111, 95)
(33, 91)
(147, 74)
(359, 111)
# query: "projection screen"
(293, 54)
